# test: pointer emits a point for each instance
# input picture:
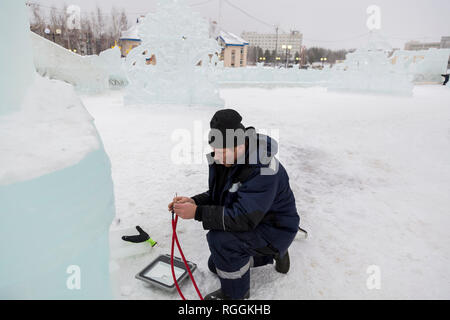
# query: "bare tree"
(62, 22)
(37, 23)
(101, 30)
(54, 24)
(115, 24)
(251, 55)
(87, 35)
(123, 21)
(98, 31)
(315, 53)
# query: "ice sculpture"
(56, 191)
(178, 39)
(111, 62)
(422, 65)
(369, 70)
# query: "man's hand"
(180, 200)
(185, 210)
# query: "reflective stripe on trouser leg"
(231, 257)
(236, 274)
(236, 287)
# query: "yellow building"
(234, 50)
(129, 40)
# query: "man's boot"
(219, 295)
(282, 264)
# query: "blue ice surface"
(53, 222)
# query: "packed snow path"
(371, 176)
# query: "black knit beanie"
(220, 122)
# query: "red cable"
(186, 264)
(171, 259)
(175, 238)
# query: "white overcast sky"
(328, 23)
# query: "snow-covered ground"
(371, 176)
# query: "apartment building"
(270, 41)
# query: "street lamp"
(277, 59)
(48, 32)
(287, 47)
(58, 32)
